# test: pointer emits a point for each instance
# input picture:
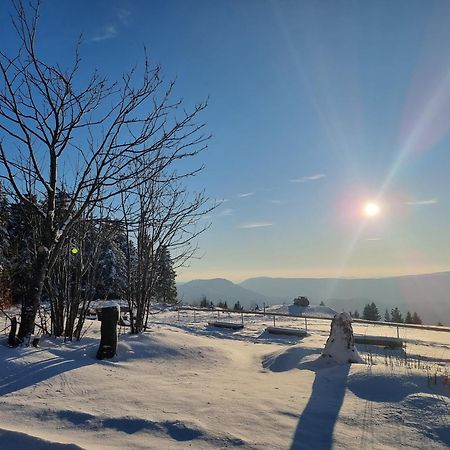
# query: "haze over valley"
(428, 294)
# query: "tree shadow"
(17, 373)
(316, 424)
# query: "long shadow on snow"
(16, 376)
(316, 424)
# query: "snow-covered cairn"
(340, 345)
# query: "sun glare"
(371, 209)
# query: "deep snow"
(186, 384)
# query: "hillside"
(220, 290)
(428, 294)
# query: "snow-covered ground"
(185, 384)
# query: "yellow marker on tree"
(74, 250)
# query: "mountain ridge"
(427, 294)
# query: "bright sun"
(371, 209)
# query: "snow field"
(184, 384)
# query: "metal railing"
(303, 316)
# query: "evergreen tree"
(396, 315)
(371, 312)
(408, 318)
(4, 250)
(356, 315)
(4, 236)
(165, 288)
(204, 302)
(112, 261)
(24, 228)
(416, 319)
(237, 306)
(387, 316)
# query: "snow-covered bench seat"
(382, 341)
(232, 325)
(287, 331)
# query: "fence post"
(398, 335)
(264, 308)
(274, 320)
(195, 318)
(242, 318)
(306, 325)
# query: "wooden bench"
(381, 341)
(287, 331)
(231, 325)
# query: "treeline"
(205, 303)
(99, 260)
(370, 312)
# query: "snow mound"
(340, 346)
(385, 387)
(16, 439)
(289, 359)
(153, 346)
(312, 310)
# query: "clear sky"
(316, 107)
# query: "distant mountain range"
(428, 294)
(220, 290)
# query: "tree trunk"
(12, 339)
(31, 303)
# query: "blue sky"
(316, 107)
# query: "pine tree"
(165, 288)
(4, 236)
(387, 316)
(396, 315)
(356, 315)
(24, 228)
(237, 306)
(4, 251)
(416, 319)
(371, 312)
(408, 318)
(204, 302)
(112, 261)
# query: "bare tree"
(72, 282)
(160, 215)
(51, 118)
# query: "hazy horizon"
(237, 281)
